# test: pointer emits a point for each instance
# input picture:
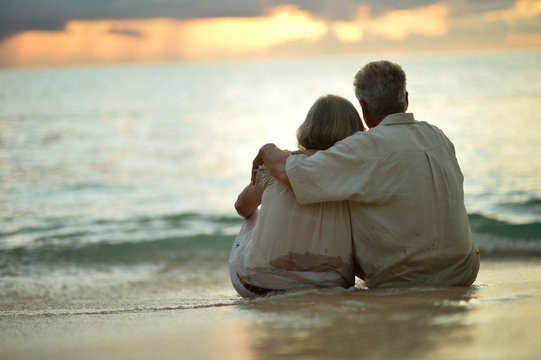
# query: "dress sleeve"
(264, 177)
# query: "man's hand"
(275, 159)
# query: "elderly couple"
(385, 205)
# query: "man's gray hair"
(382, 85)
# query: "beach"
(498, 317)
(117, 185)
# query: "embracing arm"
(248, 200)
(275, 160)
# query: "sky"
(67, 32)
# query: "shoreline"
(499, 317)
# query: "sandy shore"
(498, 318)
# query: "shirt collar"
(398, 118)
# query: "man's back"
(407, 204)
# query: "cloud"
(240, 35)
(160, 39)
(53, 15)
(140, 33)
(396, 25)
(518, 25)
(476, 7)
(523, 9)
(125, 31)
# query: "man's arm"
(275, 160)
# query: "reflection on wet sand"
(376, 323)
(498, 318)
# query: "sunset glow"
(161, 39)
(235, 36)
(396, 25)
(171, 39)
(428, 21)
(522, 9)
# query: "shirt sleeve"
(339, 173)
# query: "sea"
(117, 182)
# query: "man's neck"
(373, 122)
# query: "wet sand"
(497, 318)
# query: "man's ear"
(364, 108)
(407, 100)
(366, 114)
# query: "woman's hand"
(275, 160)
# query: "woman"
(285, 245)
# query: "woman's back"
(295, 245)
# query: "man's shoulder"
(436, 131)
(366, 146)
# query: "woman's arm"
(248, 200)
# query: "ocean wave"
(504, 238)
(185, 236)
(72, 229)
(481, 224)
(167, 249)
(531, 205)
(109, 242)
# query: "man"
(404, 184)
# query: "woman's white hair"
(382, 86)
(330, 119)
